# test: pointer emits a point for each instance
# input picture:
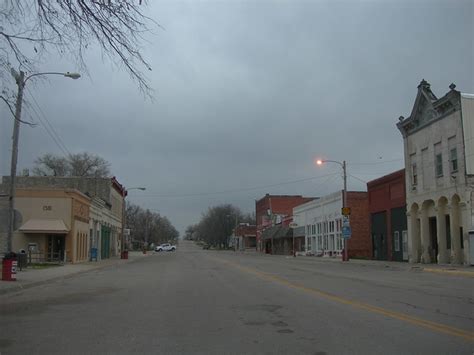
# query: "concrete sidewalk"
(34, 277)
(447, 269)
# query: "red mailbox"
(9, 269)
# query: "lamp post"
(344, 197)
(124, 194)
(21, 82)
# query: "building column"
(425, 237)
(455, 233)
(441, 231)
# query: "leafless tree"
(29, 29)
(81, 164)
(149, 227)
(217, 224)
(86, 164)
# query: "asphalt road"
(208, 302)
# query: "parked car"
(165, 247)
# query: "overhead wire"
(240, 189)
(48, 126)
(376, 163)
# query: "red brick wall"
(279, 205)
(360, 243)
(386, 193)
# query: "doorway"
(56, 247)
(433, 240)
(379, 236)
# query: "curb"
(450, 272)
(57, 278)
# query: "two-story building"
(53, 224)
(273, 210)
(388, 220)
(106, 203)
(438, 139)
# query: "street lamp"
(344, 197)
(21, 82)
(124, 194)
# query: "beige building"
(106, 206)
(54, 224)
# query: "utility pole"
(344, 204)
(20, 81)
(345, 256)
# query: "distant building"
(388, 222)
(321, 220)
(438, 139)
(273, 210)
(245, 237)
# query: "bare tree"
(149, 227)
(29, 29)
(86, 164)
(81, 164)
(50, 164)
(217, 224)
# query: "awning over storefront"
(277, 232)
(50, 226)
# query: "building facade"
(388, 223)
(107, 197)
(54, 224)
(271, 210)
(322, 223)
(438, 139)
(245, 237)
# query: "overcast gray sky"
(249, 93)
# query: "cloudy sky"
(249, 93)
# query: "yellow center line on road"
(436, 327)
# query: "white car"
(165, 247)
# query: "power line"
(355, 177)
(241, 189)
(376, 163)
(43, 125)
(47, 124)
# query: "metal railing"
(45, 258)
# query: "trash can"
(9, 264)
(125, 254)
(93, 254)
(22, 259)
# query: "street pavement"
(198, 301)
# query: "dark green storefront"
(399, 234)
(105, 242)
(379, 236)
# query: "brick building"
(388, 223)
(321, 220)
(273, 210)
(245, 236)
